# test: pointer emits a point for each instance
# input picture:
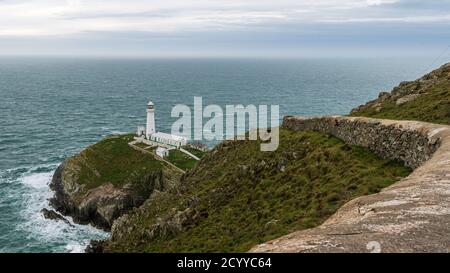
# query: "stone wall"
(388, 139)
(412, 215)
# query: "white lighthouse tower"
(150, 129)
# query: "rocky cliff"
(105, 181)
(102, 205)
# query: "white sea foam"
(116, 132)
(75, 247)
(57, 234)
(37, 180)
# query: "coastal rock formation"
(99, 206)
(53, 215)
(412, 215)
(106, 180)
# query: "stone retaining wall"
(412, 215)
(389, 139)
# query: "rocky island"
(237, 198)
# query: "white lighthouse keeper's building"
(159, 138)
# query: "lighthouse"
(149, 136)
(150, 128)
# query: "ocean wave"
(57, 236)
(75, 247)
(117, 132)
(38, 180)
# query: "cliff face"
(99, 206)
(88, 188)
(425, 99)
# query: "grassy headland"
(112, 160)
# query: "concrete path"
(189, 154)
(175, 168)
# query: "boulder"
(53, 215)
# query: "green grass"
(112, 160)
(142, 145)
(298, 186)
(195, 152)
(433, 106)
(181, 160)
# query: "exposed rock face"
(412, 215)
(53, 215)
(95, 246)
(169, 225)
(406, 99)
(99, 206)
(408, 91)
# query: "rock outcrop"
(53, 215)
(407, 91)
(412, 215)
(99, 206)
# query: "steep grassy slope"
(426, 99)
(112, 160)
(237, 196)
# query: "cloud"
(380, 2)
(66, 26)
(55, 17)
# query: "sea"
(51, 108)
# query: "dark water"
(52, 108)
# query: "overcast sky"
(225, 27)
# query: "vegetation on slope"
(237, 196)
(181, 160)
(426, 99)
(198, 153)
(105, 181)
(112, 160)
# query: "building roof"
(150, 103)
(168, 136)
(161, 149)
